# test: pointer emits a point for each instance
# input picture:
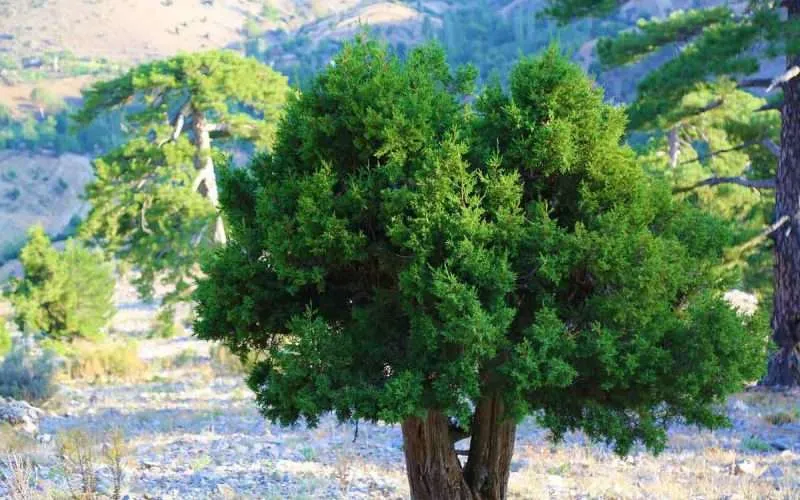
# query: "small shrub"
(308, 453)
(14, 442)
(782, 417)
(116, 453)
(165, 326)
(200, 463)
(18, 477)
(27, 377)
(5, 338)
(755, 444)
(225, 361)
(251, 29)
(103, 362)
(65, 295)
(79, 462)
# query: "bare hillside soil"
(39, 189)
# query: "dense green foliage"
(64, 295)
(736, 128)
(147, 207)
(714, 43)
(400, 251)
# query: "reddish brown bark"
(433, 468)
(783, 368)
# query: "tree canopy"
(719, 46)
(401, 254)
(154, 198)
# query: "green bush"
(64, 295)
(5, 338)
(27, 377)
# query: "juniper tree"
(716, 44)
(154, 198)
(400, 257)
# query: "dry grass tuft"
(105, 362)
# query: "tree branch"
(754, 82)
(772, 147)
(719, 152)
(198, 180)
(145, 206)
(741, 181)
(177, 124)
(708, 107)
(770, 106)
(763, 235)
(785, 77)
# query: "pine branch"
(769, 106)
(754, 82)
(763, 235)
(783, 78)
(741, 181)
(771, 147)
(145, 229)
(177, 123)
(719, 152)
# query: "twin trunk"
(432, 464)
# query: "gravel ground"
(194, 433)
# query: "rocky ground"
(194, 432)
(191, 430)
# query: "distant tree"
(717, 44)
(5, 337)
(403, 258)
(65, 295)
(154, 198)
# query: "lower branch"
(741, 181)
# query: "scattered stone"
(780, 446)
(20, 415)
(772, 472)
(740, 405)
(226, 491)
(743, 467)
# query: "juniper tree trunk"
(433, 468)
(490, 450)
(783, 367)
(204, 164)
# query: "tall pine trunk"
(204, 164)
(783, 368)
(432, 464)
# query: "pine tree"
(65, 295)
(716, 44)
(400, 257)
(154, 198)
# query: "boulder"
(20, 415)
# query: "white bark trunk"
(205, 166)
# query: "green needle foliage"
(64, 295)
(714, 42)
(153, 199)
(399, 253)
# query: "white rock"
(20, 414)
(744, 467)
